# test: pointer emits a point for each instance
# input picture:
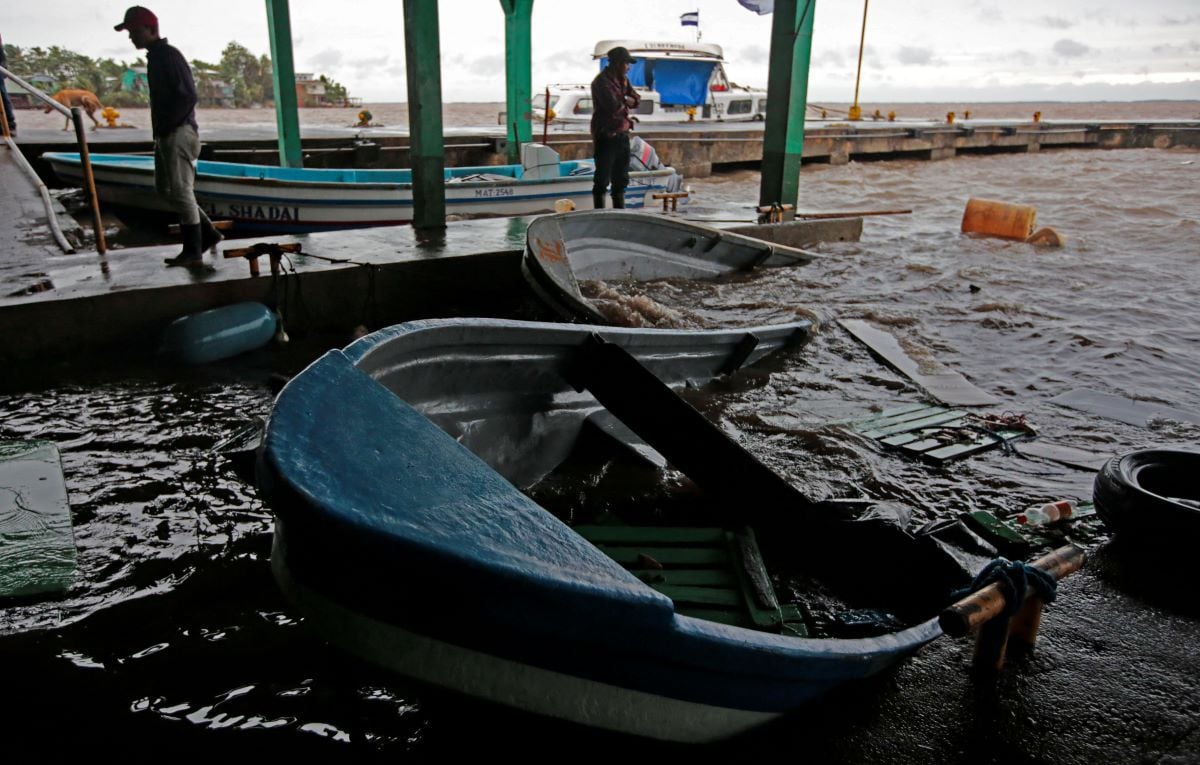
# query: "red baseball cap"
(137, 16)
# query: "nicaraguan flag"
(690, 19)
(761, 7)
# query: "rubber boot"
(210, 237)
(191, 255)
(619, 200)
(598, 200)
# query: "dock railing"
(76, 116)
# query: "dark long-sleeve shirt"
(610, 109)
(172, 90)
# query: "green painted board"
(708, 573)
(686, 577)
(658, 535)
(933, 433)
(37, 549)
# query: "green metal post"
(427, 150)
(787, 96)
(283, 75)
(518, 64)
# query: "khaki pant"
(175, 171)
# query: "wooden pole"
(427, 149)
(982, 606)
(787, 91)
(518, 66)
(855, 110)
(283, 76)
(89, 179)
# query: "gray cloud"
(831, 59)
(1171, 21)
(1070, 48)
(563, 59)
(327, 58)
(990, 14)
(486, 65)
(1017, 55)
(916, 56)
(755, 54)
(1056, 22)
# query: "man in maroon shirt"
(612, 98)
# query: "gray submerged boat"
(611, 245)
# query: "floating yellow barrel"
(992, 218)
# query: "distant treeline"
(239, 79)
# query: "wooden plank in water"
(1083, 459)
(1122, 409)
(37, 549)
(940, 382)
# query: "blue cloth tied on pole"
(1016, 579)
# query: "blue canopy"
(677, 81)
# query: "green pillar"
(787, 96)
(283, 75)
(427, 150)
(518, 41)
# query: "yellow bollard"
(991, 218)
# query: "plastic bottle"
(1047, 513)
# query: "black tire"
(1147, 493)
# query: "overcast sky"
(931, 50)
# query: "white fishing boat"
(270, 199)
(677, 81)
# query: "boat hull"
(258, 202)
(404, 547)
(561, 250)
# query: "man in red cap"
(176, 135)
(612, 98)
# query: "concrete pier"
(57, 306)
(694, 150)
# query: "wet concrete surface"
(1114, 678)
(56, 305)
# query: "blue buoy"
(218, 333)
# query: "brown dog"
(82, 98)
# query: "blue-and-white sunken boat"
(292, 200)
(393, 469)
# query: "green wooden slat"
(668, 556)
(735, 618)
(953, 451)
(899, 414)
(697, 577)
(940, 419)
(702, 596)
(656, 535)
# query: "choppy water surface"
(174, 634)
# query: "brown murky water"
(175, 640)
